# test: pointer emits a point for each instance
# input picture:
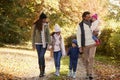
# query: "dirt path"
(23, 64)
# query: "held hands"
(81, 50)
(49, 47)
(33, 47)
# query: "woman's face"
(44, 20)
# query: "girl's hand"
(49, 47)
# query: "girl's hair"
(52, 33)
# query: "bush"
(114, 42)
(110, 43)
(69, 39)
(104, 48)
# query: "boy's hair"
(85, 14)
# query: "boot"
(74, 75)
(90, 77)
(41, 71)
(57, 73)
(44, 70)
(70, 73)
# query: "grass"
(107, 60)
(63, 70)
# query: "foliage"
(69, 39)
(114, 12)
(14, 21)
(17, 17)
(104, 47)
(114, 42)
(110, 42)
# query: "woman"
(40, 40)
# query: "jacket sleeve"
(63, 47)
(48, 35)
(33, 35)
(69, 52)
(79, 36)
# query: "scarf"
(83, 31)
(43, 35)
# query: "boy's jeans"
(41, 52)
(57, 58)
(73, 64)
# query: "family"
(86, 43)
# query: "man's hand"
(33, 47)
(81, 49)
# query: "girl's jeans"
(57, 58)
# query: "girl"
(58, 48)
(40, 39)
(95, 28)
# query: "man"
(86, 43)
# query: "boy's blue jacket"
(73, 52)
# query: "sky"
(117, 2)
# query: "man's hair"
(85, 13)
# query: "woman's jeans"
(57, 58)
(41, 53)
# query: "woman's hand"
(49, 47)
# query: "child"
(58, 48)
(95, 28)
(73, 54)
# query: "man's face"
(88, 17)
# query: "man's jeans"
(57, 58)
(88, 58)
(41, 52)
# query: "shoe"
(74, 75)
(44, 70)
(41, 71)
(90, 77)
(70, 73)
(41, 75)
(57, 73)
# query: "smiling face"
(74, 45)
(87, 17)
(44, 20)
(58, 33)
(94, 19)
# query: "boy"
(73, 54)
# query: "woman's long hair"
(38, 24)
